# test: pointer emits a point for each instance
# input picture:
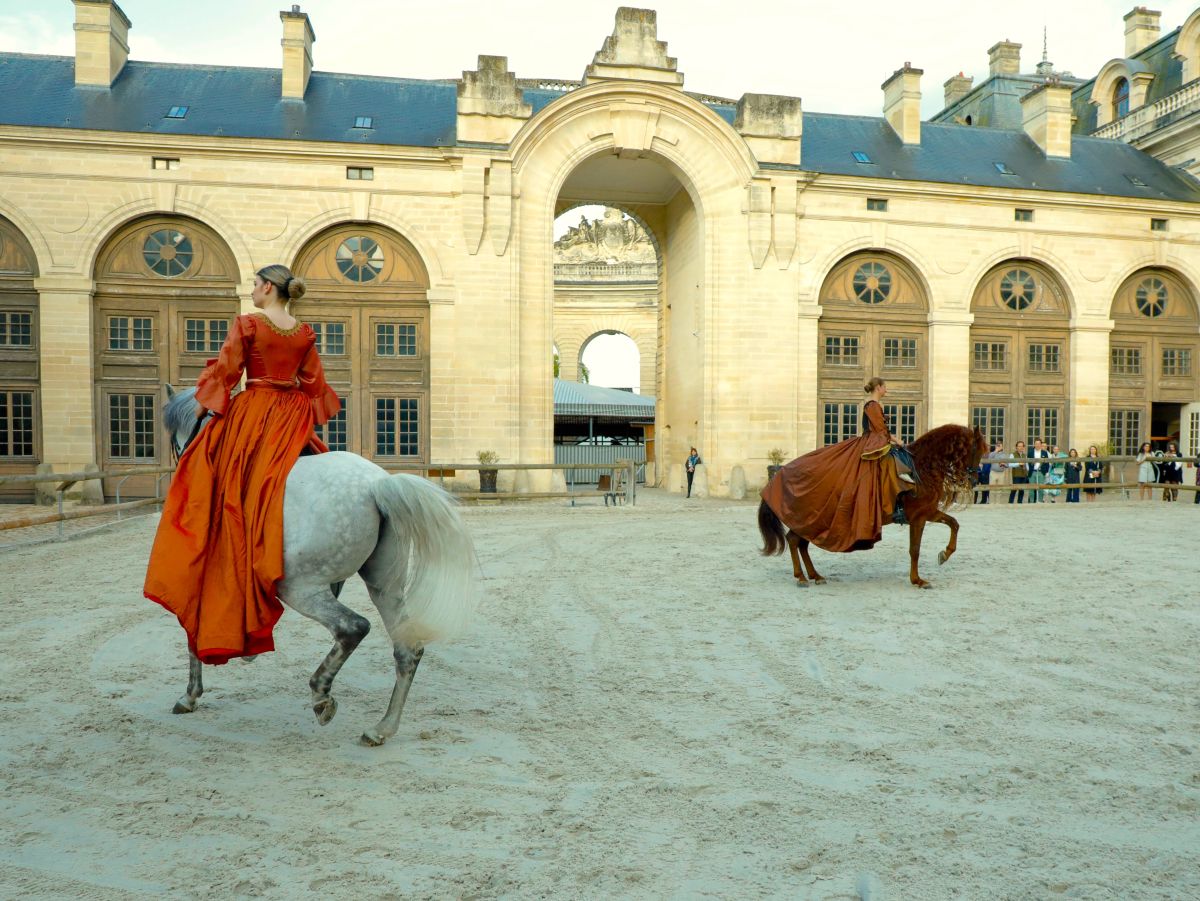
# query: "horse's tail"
(434, 565)
(772, 531)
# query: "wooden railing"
(66, 480)
(627, 491)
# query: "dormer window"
(1135, 181)
(861, 157)
(176, 112)
(1121, 98)
(364, 122)
(1003, 169)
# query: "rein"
(177, 449)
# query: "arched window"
(1121, 98)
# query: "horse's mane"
(179, 410)
(946, 458)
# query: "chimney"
(902, 103)
(297, 44)
(1141, 29)
(101, 42)
(1004, 58)
(491, 105)
(1046, 117)
(772, 126)
(956, 88)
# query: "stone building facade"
(1029, 280)
(606, 281)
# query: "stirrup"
(898, 517)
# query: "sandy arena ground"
(645, 709)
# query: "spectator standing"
(1018, 468)
(999, 461)
(1147, 474)
(1073, 470)
(1038, 470)
(1093, 473)
(1057, 475)
(1170, 472)
(1196, 494)
(690, 465)
(983, 478)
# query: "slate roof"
(961, 154)
(231, 101)
(236, 101)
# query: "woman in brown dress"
(840, 496)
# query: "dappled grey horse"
(344, 515)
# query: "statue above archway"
(610, 247)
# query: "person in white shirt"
(1038, 470)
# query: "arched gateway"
(657, 151)
(20, 419)
(166, 291)
(367, 301)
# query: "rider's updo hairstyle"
(872, 385)
(289, 286)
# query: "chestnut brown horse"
(947, 459)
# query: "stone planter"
(487, 481)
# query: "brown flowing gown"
(218, 552)
(839, 497)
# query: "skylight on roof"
(1134, 180)
(176, 112)
(1003, 169)
(364, 122)
(860, 157)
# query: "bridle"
(177, 449)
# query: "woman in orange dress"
(218, 553)
(839, 497)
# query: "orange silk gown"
(218, 553)
(838, 496)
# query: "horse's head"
(979, 448)
(180, 420)
(948, 459)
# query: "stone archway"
(166, 292)
(367, 300)
(1021, 354)
(653, 149)
(20, 407)
(606, 281)
(1154, 357)
(874, 322)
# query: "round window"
(1017, 289)
(360, 259)
(872, 282)
(167, 252)
(1151, 298)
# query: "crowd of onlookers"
(1049, 473)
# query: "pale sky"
(832, 55)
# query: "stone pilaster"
(949, 379)
(68, 414)
(1087, 412)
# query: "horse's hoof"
(368, 740)
(820, 580)
(182, 706)
(249, 658)
(942, 557)
(924, 584)
(325, 710)
(800, 584)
